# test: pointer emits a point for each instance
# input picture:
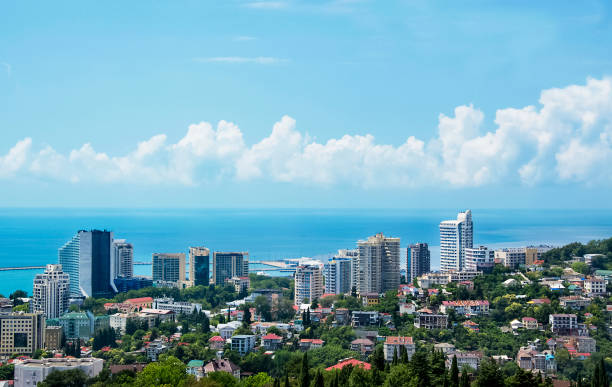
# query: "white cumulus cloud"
(566, 138)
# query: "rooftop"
(352, 362)
(399, 340)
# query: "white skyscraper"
(378, 264)
(308, 284)
(337, 273)
(123, 257)
(455, 237)
(51, 292)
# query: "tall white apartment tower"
(308, 284)
(51, 292)
(123, 256)
(455, 237)
(378, 264)
(337, 273)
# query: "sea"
(31, 237)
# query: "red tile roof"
(216, 338)
(353, 362)
(139, 300)
(398, 340)
(312, 341)
(271, 336)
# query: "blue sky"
(335, 103)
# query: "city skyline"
(258, 113)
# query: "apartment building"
(378, 264)
(455, 237)
(427, 319)
(21, 333)
(393, 343)
(563, 323)
(31, 371)
(243, 344)
(466, 307)
(308, 284)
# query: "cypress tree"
(378, 359)
(603, 374)
(596, 380)
(454, 376)
(304, 374)
(319, 380)
(394, 362)
(465, 379)
(403, 355)
(287, 380)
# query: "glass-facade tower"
(199, 266)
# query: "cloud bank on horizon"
(567, 139)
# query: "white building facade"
(51, 292)
(455, 237)
(308, 283)
(337, 273)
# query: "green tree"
(315, 303)
(259, 380)
(224, 379)
(399, 376)
(489, 374)
(170, 371)
(319, 382)
(465, 379)
(246, 317)
(263, 307)
(7, 372)
(419, 367)
(454, 373)
(378, 358)
(581, 267)
(305, 372)
(69, 378)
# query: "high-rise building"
(87, 260)
(378, 264)
(418, 260)
(337, 273)
(455, 237)
(352, 255)
(199, 266)
(123, 257)
(479, 259)
(169, 267)
(21, 333)
(227, 265)
(68, 257)
(51, 292)
(308, 283)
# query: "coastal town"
(371, 315)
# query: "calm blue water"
(32, 236)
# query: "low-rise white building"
(155, 348)
(595, 286)
(393, 343)
(178, 307)
(469, 359)
(31, 372)
(243, 344)
(227, 330)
